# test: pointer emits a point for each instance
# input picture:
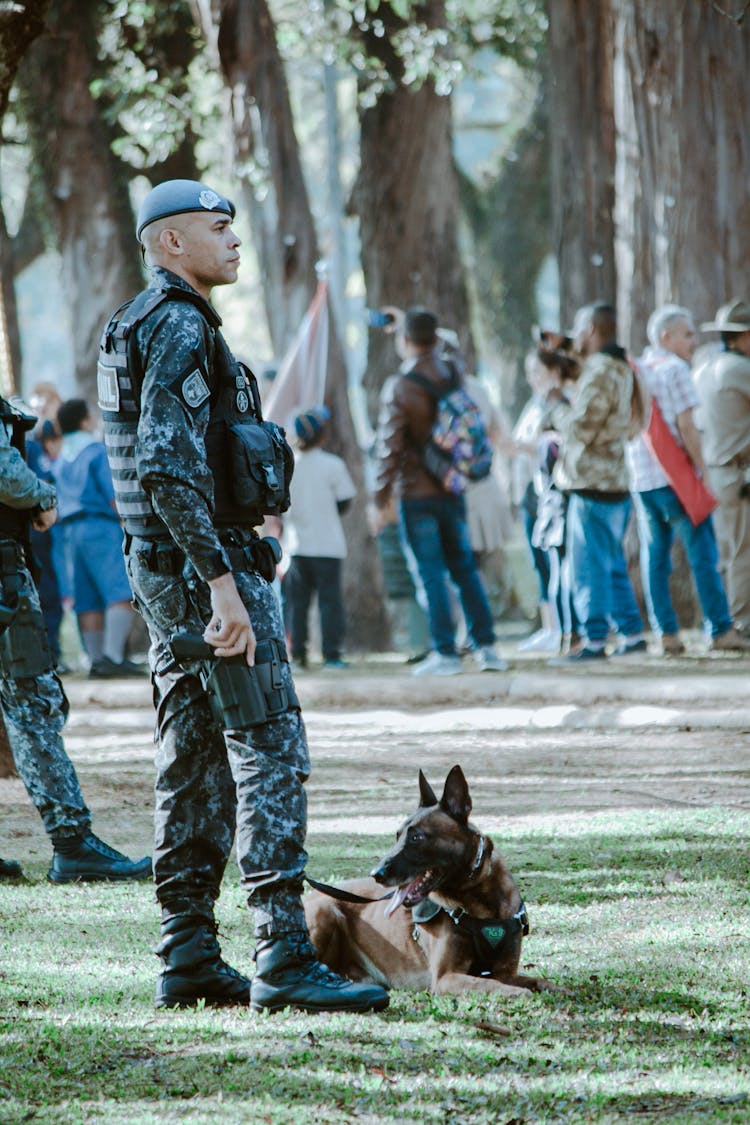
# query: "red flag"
(301, 381)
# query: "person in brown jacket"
(592, 471)
(432, 522)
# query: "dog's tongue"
(398, 897)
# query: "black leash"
(343, 896)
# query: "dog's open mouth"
(409, 894)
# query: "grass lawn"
(644, 916)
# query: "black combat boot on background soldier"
(193, 967)
(87, 859)
(9, 869)
(289, 975)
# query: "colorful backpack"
(459, 448)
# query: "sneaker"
(487, 660)
(438, 664)
(671, 645)
(731, 641)
(544, 640)
(87, 859)
(579, 656)
(630, 647)
(107, 669)
(289, 975)
(9, 869)
(334, 665)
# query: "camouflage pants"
(35, 707)
(210, 784)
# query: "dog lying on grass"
(455, 922)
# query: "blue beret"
(178, 197)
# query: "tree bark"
(20, 24)
(86, 185)
(407, 199)
(244, 36)
(683, 158)
(582, 151)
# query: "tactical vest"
(15, 521)
(250, 460)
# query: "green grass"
(645, 917)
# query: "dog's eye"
(415, 836)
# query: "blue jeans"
(435, 530)
(660, 514)
(602, 594)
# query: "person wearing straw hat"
(723, 383)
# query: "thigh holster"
(240, 697)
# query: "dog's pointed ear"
(427, 796)
(456, 800)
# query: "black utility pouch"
(262, 466)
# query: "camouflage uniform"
(33, 702)
(208, 782)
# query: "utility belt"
(240, 697)
(246, 552)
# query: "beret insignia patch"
(209, 199)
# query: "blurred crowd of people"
(80, 561)
(581, 457)
(604, 432)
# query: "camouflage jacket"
(20, 487)
(596, 428)
(170, 450)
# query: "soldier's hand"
(229, 631)
(43, 521)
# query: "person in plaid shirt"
(665, 366)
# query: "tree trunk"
(7, 765)
(683, 158)
(245, 38)
(20, 23)
(86, 185)
(406, 197)
(10, 337)
(243, 34)
(583, 151)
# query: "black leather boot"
(193, 968)
(87, 859)
(289, 975)
(9, 869)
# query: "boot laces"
(99, 846)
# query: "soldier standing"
(33, 701)
(183, 433)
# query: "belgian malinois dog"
(454, 923)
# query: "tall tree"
(683, 156)
(406, 194)
(86, 185)
(582, 130)
(245, 39)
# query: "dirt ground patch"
(533, 741)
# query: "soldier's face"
(209, 250)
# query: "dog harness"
(489, 936)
